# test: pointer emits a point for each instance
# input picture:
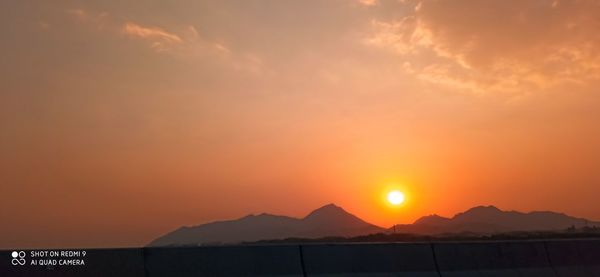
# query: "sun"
(395, 197)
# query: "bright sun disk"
(395, 197)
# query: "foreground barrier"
(369, 260)
(493, 259)
(224, 261)
(575, 258)
(558, 258)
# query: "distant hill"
(333, 221)
(329, 220)
(490, 220)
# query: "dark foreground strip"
(559, 258)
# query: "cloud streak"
(368, 2)
(183, 42)
(160, 39)
(158, 35)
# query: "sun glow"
(395, 197)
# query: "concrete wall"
(224, 261)
(369, 260)
(558, 258)
(493, 259)
(575, 258)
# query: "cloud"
(188, 44)
(78, 13)
(159, 38)
(179, 41)
(368, 2)
(100, 20)
(150, 33)
(493, 45)
(44, 25)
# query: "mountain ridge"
(328, 220)
(490, 219)
(333, 221)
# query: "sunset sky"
(123, 120)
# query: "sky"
(124, 120)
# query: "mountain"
(329, 220)
(489, 219)
(333, 221)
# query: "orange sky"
(121, 120)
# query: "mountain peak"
(483, 209)
(327, 210)
(329, 207)
(257, 215)
(432, 219)
(326, 221)
(479, 212)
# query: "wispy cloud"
(78, 13)
(159, 38)
(368, 2)
(180, 41)
(100, 20)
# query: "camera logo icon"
(18, 258)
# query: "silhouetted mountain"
(329, 220)
(333, 221)
(489, 219)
